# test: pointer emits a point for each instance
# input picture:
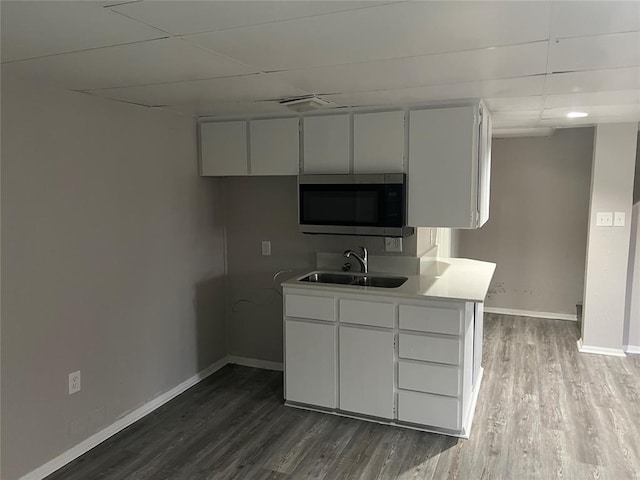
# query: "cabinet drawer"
(306, 306)
(447, 320)
(425, 409)
(429, 349)
(367, 313)
(440, 379)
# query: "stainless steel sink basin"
(380, 281)
(322, 277)
(377, 281)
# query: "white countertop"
(450, 279)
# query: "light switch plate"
(266, 248)
(618, 219)
(604, 219)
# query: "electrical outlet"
(74, 382)
(266, 247)
(392, 244)
(618, 219)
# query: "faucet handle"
(365, 252)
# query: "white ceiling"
(532, 61)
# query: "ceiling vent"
(306, 103)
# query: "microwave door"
(350, 206)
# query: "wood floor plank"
(545, 411)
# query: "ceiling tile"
(157, 61)
(515, 118)
(594, 80)
(388, 31)
(184, 17)
(439, 69)
(229, 89)
(113, 3)
(617, 97)
(34, 29)
(501, 104)
(488, 88)
(596, 113)
(595, 52)
(229, 108)
(572, 19)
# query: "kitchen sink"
(322, 277)
(380, 281)
(377, 281)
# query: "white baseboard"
(530, 313)
(94, 440)
(614, 352)
(255, 363)
(635, 349)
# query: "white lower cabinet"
(408, 361)
(310, 359)
(366, 371)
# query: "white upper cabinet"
(449, 166)
(378, 142)
(274, 146)
(326, 144)
(223, 148)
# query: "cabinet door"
(327, 144)
(310, 363)
(274, 146)
(366, 371)
(223, 148)
(378, 142)
(442, 173)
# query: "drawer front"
(425, 409)
(367, 313)
(429, 349)
(447, 320)
(440, 379)
(305, 306)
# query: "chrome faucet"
(363, 260)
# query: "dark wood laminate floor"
(544, 412)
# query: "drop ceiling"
(533, 62)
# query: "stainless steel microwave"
(367, 204)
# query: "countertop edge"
(456, 271)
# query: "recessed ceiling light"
(577, 114)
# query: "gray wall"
(265, 208)
(112, 264)
(537, 230)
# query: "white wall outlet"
(604, 219)
(392, 244)
(266, 247)
(618, 219)
(74, 382)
